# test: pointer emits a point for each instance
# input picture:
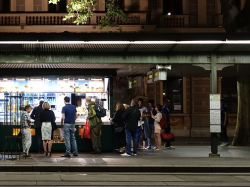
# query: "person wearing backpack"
(95, 124)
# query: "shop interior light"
(96, 79)
(20, 79)
(35, 79)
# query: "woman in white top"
(157, 132)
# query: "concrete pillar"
(202, 13)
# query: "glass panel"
(58, 136)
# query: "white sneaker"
(125, 154)
(224, 144)
(133, 154)
(171, 147)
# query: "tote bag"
(86, 131)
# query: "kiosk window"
(172, 90)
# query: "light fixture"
(131, 42)
(160, 73)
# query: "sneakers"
(171, 147)
(147, 148)
(125, 154)
(134, 154)
(223, 144)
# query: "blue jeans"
(223, 135)
(138, 134)
(70, 139)
(151, 131)
(131, 136)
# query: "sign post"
(215, 119)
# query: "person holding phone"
(25, 130)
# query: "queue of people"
(137, 124)
(134, 126)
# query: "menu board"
(62, 85)
(96, 85)
(50, 85)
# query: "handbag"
(19, 137)
(119, 129)
(86, 134)
(54, 126)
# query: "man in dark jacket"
(35, 115)
(131, 116)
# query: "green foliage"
(82, 10)
(113, 17)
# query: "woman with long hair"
(47, 117)
(157, 130)
(120, 126)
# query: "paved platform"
(122, 179)
(182, 159)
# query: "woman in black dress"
(120, 126)
(47, 118)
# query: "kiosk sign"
(215, 118)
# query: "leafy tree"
(82, 10)
(237, 20)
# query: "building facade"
(188, 94)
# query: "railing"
(10, 20)
(174, 21)
(133, 19)
(15, 19)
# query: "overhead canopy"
(127, 53)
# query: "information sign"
(214, 117)
(215, 128)
(214, 101)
